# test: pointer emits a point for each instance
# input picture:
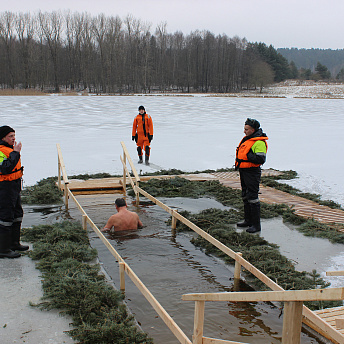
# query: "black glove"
(150, 138)
(132, 138)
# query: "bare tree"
(51, 29)
(7, 23)
(25, 27)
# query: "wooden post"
(122, 276)
(197, 337)
(66, 195)
(58, 172)
(84, 222)
(124, 174)
(174, 220)
(137, 194)
(237, 268)
(292, 322)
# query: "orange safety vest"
(244, 147)
(140, 128)
(18, 170)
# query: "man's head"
(120, 202)
(251, 126)
(141, 109)
(7, 134)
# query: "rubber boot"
(15, 238)
(5, 239)
(139, 152)
(147, 150)
(247, 216)
(255, 216)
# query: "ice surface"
(190, 133)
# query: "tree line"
(329, 63)
(107, 54)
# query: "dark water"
(170, 267)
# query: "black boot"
(147, 150)
(247, 215)
(15, 238)
(139, 152)
(5, 251)
(255, 216)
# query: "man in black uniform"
(11, 211)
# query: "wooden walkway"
(302, 206)
(334, 317)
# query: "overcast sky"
(284, 24)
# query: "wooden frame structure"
(292, 317)
(307, 317)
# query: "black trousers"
(250, 179)
(10, 203)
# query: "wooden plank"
(292, 322)
(179, 334)
(197, 337)
(137, 178)
(321, 326)
(207, 340)
(94, 184)
(62, 165)
(287, 295)
(334, 273)
(127, 172)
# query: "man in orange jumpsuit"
(143, 134)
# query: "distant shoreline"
(307, 89)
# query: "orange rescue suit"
(143, 126)
(244, 147)
(18, 170)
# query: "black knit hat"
(4, 130)
(141, 108)
(252, 123)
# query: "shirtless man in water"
(124, 219)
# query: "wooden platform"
(334, 317)
(302, 206)
(103, 185)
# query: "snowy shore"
(298, 89)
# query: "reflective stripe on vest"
(17, 171)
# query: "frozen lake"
(191, 133)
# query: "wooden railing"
(292, 314)
(308, 318)
(62, 169)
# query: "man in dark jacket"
(250, 155)
(11, 211)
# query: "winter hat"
(4, 130)
(252, 123)
(141, 108)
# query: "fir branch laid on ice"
(77, 288)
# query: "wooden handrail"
(293, 307)
(137, 177)
(62, 165)
(265, 296)
(334, 273)
(127, 173)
